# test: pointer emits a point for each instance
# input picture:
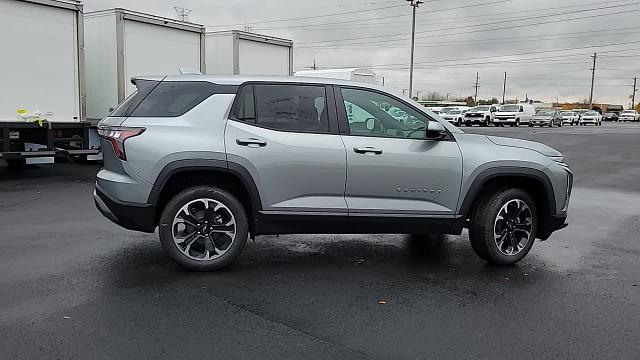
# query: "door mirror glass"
(370, 123)
(435, 131)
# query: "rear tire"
(503, 226)
(216, 249)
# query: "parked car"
(629, 115)
(591, 117)
(482, 115)
(454, 116)
(580, 112)
(210, 161)
(514, 114)
(548, 118)
(610, 116)
(569, 117)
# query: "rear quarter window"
(174, 98)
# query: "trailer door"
(259, 58)
(157, 50)
(39, 61)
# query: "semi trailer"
(42, 92)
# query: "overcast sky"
(544, 45)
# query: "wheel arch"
(534, 181)
(181, 174)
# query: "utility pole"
(183, 14)
(475, 98)
(414, 5)
(383, 81)
(593, 78)
(633, 96)
(504, 87)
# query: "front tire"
(203, 228)
(504, 225)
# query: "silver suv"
(213, 160)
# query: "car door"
(285, 137)
(391, 167)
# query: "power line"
(432, 20)
(509, 55)
(392, 16)
(489, 40)
(491, 29)
(308, 17)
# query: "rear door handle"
(367, 150)
(253, 142)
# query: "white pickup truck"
(629, 115)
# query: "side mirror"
(436, 131)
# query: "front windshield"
(447, 110)
(628, 112)
(591, 113)
(480, 108)
(544, 113)
(508, 108)
(568, 113)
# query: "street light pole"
(414, 4)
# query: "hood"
(544, 117)
(525, 144)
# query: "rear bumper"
(132, 216)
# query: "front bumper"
(553, 224)
(504, 120)
(132, 216)
(539, 122)
(588, 121)
(475, 119)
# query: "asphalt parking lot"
(75, 286)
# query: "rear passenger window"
(301, 108)
(173, 98)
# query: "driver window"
(374, 114)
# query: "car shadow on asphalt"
(417, 258)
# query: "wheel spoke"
(186, 217)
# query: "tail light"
(117, 135)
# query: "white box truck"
(122, 44)
(42, 91)
(239, 52)
(353, 74)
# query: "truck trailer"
(122, 44)
(239, 52)
(42, 92)
(353, 74)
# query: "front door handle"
(253, 142)
(367, 150)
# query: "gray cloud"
(541, 75)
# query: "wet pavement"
(75, 286)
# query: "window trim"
(343, 122)
(217, 89)
(329, 101)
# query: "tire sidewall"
(182, 198)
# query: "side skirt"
(281, 222)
